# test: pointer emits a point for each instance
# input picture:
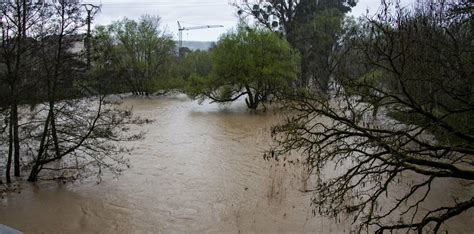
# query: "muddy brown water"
(199, 170)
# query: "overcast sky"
(190, 13)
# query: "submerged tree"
(400, 111)
(61, 131)
(18, 62)
(3, 128)
(138, 53)
(254, 63)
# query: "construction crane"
(181, 29)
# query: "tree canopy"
(312, 27)
(287, 15)
(136, 54)
(255, 63)
(195, 63)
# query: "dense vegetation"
(254, 63)
(134, 56)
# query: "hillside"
(197, 45)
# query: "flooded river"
(199, 169)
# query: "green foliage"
(284, 16)
(136, 54)
(317, 38)
(314, 28)
(255, 63)
(104, 74)
(195, 62)
(169, 78)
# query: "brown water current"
(199, 170)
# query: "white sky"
(191, 13)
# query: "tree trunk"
(36, 168)
(34, 173)
(1, 173)
(23, 27)
(16, 83)
(53, 127)
(303, 81)
(16, 139)
(10, 152)
(251, 101)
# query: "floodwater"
(199, 170)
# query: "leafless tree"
(400, 110)
(62, 131)
(15, 56)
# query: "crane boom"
(201, 27)
(181, 29)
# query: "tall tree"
(399, 120)
(313, 27)
(77, 136)
(18, 63)
(287, 15)
(61, 126)
(141, 52)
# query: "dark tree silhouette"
(400, 110)
(50, 125)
